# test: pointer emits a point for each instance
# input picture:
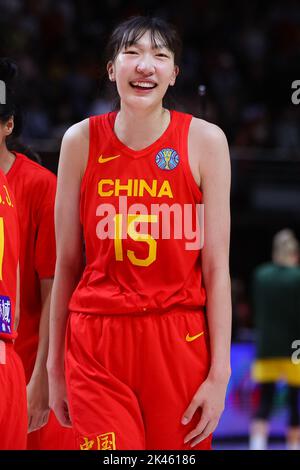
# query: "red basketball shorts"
(130, 378)
(13, 407)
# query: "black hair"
(8, 74)
(131, 30)
(162, 34)
(11, 108)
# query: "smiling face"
(143, 71)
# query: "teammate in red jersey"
(34, 189)
(147, 321)
(13, 410)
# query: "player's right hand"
(58, 401)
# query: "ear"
(111, 71)
(9, 126)
(174, 75)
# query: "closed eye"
(130, 52)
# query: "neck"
(139, 129)
(7, 158)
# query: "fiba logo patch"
(167, 159)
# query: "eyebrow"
(136, 44)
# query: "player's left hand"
(210, 397)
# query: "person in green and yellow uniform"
(276, 302)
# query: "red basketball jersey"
(9, 257)
(34, 188)
(138, 211)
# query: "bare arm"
(37, 388)
(215, 253)
(69, 261)
(214, 167)
(42, 352)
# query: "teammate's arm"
(37, 388)
(44, 263)
(69, 261)
(214, 168)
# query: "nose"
(145, 65)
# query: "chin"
(142, 102)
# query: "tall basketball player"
(147, 322)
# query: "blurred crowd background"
(245, 54)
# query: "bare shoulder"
(208, 150)
(78, 132)
(75, 147)
(207, 136)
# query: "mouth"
(143, 85)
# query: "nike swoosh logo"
(102, 159)
(192, 338)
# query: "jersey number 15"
(139, 237)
